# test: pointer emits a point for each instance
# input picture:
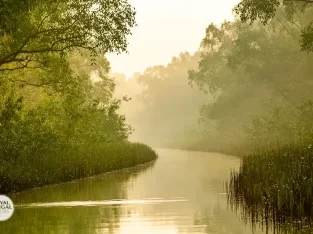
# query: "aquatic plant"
(275, 187)
(76, 163)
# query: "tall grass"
(75, 163)
(275, 186)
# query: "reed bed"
(62, 166)
(275, 187)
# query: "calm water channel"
(182, 192)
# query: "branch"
(21, 65)
(285, 27)
(64, 39)
(12, 56)
(31, 84)
(48, 15)
(28, 83)
(50, 49)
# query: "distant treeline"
(256, 84)
(255, 75)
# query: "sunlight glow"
(167, 28)
(98, 203)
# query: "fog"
(167, 28)
(164, 108)
(94, 86)
(234, 94)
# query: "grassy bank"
(76, 163)
(238, 152)
(223, 146)
(275, 185)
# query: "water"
(182, 192)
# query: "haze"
(206, 126)
(175, 26)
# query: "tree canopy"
(32, 30)
(55, 90)
(261, 81)
(265, 10)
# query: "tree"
(166, 107)
(32, 30)
(38, 39)
(253, 70)
(265, 10)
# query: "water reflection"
(271, 219)
(180, 193)
(54, 210)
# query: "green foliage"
(71, 128)
(67, 112)
(276, 186)
(75, 163)
(265, 10)
(30, 31)
(263, 109)
(253, 10)
(307, 38)
(58, 116)
(242, 66)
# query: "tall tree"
(265, 10)
(261, 80)
(169, 106)
(32, 30)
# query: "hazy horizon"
(158, 28)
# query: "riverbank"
(171, 189)
(221, 146)
(231, 152)
(273, 184)
(276, 185)
(73, 164)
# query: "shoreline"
(89, 177)
(76, 165)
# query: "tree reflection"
(270, 218)
(73, 219)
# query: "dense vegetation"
(275, 186)
(270, 81)
(262, 83)
(58, 115)
(76, 163)
(255, 99)
(257, 74)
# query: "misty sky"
(167, 28)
